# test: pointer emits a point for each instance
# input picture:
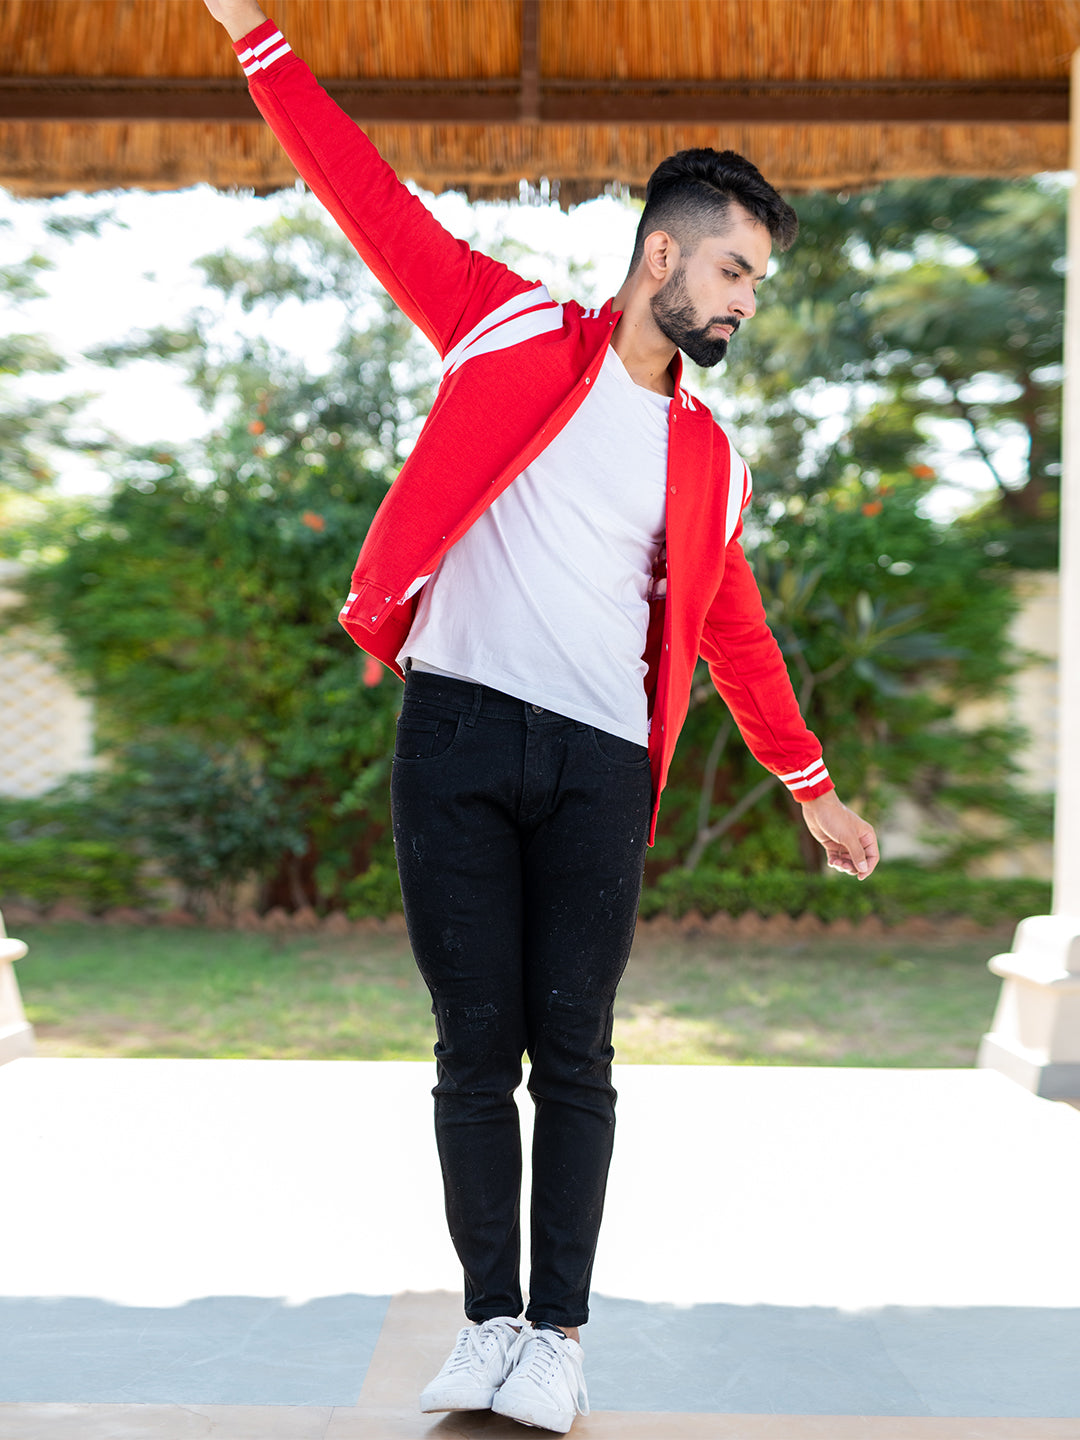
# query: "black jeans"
(520, 841)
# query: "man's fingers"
(852, 843)
(849, 841)
(845, 848)
(867, 842)
(839, 860)
(870, 845)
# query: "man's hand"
(849, 841)
(239, 17)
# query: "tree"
(914, 326)
(913, 305)
(201, 603)
(33, 430)
(889, 623)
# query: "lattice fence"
(46, 729)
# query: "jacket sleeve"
(443, 285)
(748, 670)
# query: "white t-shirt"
(546, 596)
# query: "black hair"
(689, 195)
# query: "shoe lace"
(475, 1342)
(539, 1355)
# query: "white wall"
(46, 728)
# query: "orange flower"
(256, 427)
(872, 507)
(312, 521)
(924, 472)
(373, 671)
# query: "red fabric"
(497, 411)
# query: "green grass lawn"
(115, 991)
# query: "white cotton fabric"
(546, 595)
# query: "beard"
(676, 318)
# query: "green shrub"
(375, 892)
(205, 815)
(93, 873)
(202, 816)
(894, 893)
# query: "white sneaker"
(475, 1368)
(546, 1386)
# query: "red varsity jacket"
(516, 365)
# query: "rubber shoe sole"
(532, 1413)
(434, 1402)
(545, 1387)
(474, 1369)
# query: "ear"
(661, 256)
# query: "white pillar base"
(16, 1032)
(1035, 1038)
(16, 1042)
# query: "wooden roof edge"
(75, 98)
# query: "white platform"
(796, 1242)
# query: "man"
(558, 550)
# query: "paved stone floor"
(255, 1249)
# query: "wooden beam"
(791, 102)
(530, 62)
(554, 102)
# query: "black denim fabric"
(520, 841)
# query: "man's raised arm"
(239, 17)
(440, 283)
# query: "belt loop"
(478, 700)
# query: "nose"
(745, 303)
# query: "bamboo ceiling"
(482, 94)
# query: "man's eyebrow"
(744, 265)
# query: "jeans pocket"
(617, 751)
(424, 737)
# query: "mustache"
(730, 321)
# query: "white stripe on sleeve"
(266, 44)
(268, 60)
(512, 332)
(803, 779)
(526, 300)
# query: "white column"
(1035, 1036)
(16, 1032)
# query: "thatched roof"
(482, 94)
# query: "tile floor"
(256, 1249)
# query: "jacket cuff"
(261, 48)
(367, 606)
(810, 782)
